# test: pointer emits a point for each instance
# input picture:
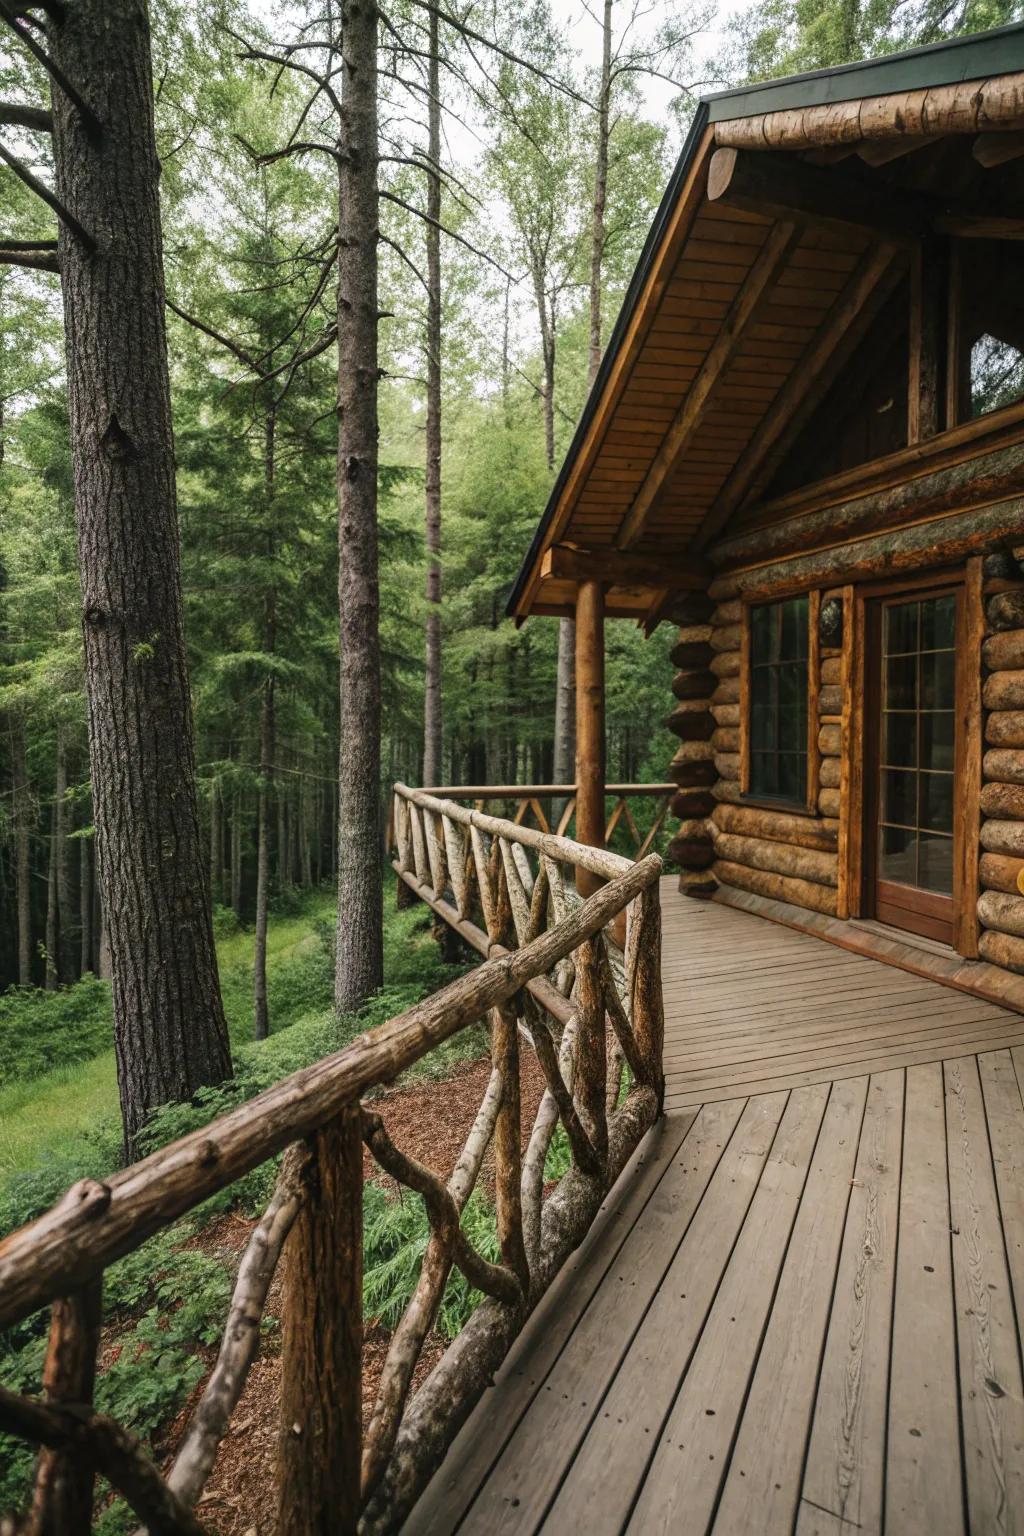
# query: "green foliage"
(40, 1030)
(395, 1236)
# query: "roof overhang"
(679, 305)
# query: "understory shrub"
(41, 1030)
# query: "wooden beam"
(965, 106)
(875, 152)
(690, 198)
(836, 339)
(783, 187)
(564, 562)
(590, 737)
(928, 296)
(771, 259)
(992, 149)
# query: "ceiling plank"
(771, 259)
(838, 336)
(565, 562)
(992, 149)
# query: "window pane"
(937, 740)
(937, 802)
(900, 628)
(898, 855)
(938, 623)
(937, 680)
(899, 797)
(901, 682)
(899, 740)
(997, 374)
(935, 864)
(778, 699)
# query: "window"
(778, 701)
(990, 365)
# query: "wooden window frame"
(771, 802)
(856, 827)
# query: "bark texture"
(169, 1027)
(360, 880)
(432, 721)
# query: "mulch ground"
(428, 1121)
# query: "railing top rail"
(97, 1223)
(535, 791)
(599, 861)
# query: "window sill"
(790, 807)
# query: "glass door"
(915, 718)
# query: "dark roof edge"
(966, 58)
(693, 137)
(973, 57)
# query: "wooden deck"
(800, 1308)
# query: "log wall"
(794, 857)
(1001, 865)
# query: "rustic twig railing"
(549, 982)
(552, 808)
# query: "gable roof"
(696, 267)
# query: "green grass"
(39, 1117)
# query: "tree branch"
(92, 122)
(49, 198)
(13, 115)
(400, 202)
(39, 255)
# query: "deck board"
(800, 1310)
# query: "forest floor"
(429, 1121)
(165, 1306)
(37, 1115)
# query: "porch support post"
(590, 746)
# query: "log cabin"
(805, 448)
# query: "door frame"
(856, 832)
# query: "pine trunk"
(52, 971)
(432, 722)
(169, 1027)
(359, 968)
(600, 194)
(84, 905)
(216, 843)
(261, 1016)
(23, 856)
(65, 905)
(237, 810)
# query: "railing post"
(321, 1393)
(590, 743)
(591, 1046)
(644, 979)
(63, 1495)
(508, 1144)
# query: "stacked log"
(692, 769)
(772, 853)
(830, 732)
(1001, 867)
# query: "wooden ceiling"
(757, 293)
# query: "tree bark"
(23, 855)
(261, 1016)
(62, 815)
(216, 842)
(600, 193)
(432, 703)
(52, 972)
(84, 905)
(359, 969)
(169, 1027)
(237, 809)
